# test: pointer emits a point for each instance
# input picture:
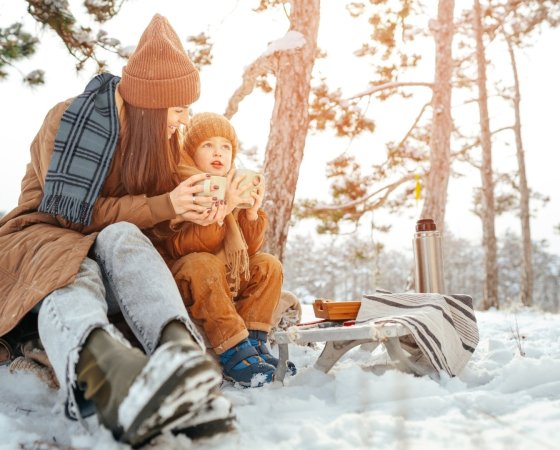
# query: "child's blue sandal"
(258, 340)
(242, 364)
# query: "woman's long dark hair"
(149, 158)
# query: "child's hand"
(258, 196)
(216, 213)
(234, 192)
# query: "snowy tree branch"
(261, 66)
(391, 85)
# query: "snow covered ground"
(501, 400)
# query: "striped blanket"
(443, 326)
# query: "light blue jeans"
(128, 275)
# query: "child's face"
(214, 156)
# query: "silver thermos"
(428, 276)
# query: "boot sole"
(214, 418)
(208, 429)
(175, 383)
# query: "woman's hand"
(183, 196)
(210, 215)
(189, 208)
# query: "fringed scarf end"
(71, 208)
(238, 266)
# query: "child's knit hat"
(205, 125)
(159, 73)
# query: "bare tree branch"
(391, 85)
(465, 149)
(388, 189)
(411, 129)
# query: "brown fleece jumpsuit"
(203, 281)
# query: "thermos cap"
(426, 225)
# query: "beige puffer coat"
(40, 253)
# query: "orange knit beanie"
(159, 73)
(206, 125)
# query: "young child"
(229, 287)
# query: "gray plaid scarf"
(83, 150)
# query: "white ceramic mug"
(207, 184)
(256, 179)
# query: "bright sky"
(239, 36)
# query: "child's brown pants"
(202, 280)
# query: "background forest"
(364, 116)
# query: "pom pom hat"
(205, 125)
(159, 73)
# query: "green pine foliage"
(84, 43)
(16, 44)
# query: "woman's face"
(214, 156)
(176, 116)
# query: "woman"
(103, 167)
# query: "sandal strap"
(239, 356)
(261, 337)
(263, 349)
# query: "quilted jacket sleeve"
(253, 230)
(195, 238)
(145, 212)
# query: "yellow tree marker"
(417, 189)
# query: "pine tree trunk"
(527, 268)
(289, 125)
(490, 295)
(438, 177)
